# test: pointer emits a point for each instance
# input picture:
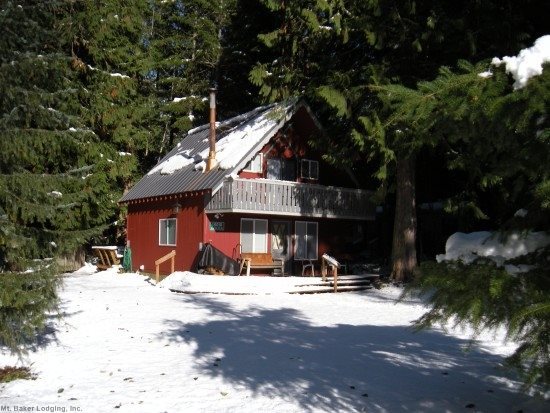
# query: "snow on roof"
(233, 145)
(238, 140)
(238, 143)
(527, 63)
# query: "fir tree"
(55, 193)
(334, 52)
(185, 45)
(501, 137)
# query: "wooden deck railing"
(170, 256)
(291, 198)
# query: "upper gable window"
(255, 165)
(309, 169)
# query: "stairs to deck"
(345, 283)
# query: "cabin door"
(280, 242)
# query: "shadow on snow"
(279, 353)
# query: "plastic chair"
(305, 266)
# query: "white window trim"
(261, 155)
(254, 232)
(309, 161)
(161, 221)
(316, 241)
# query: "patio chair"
(308, 264)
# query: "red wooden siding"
(143, 232)
(336, 237)
(227, 239)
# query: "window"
(306, 240)
(254, 235)
(167, 231)
(281, 169)
(309, 169)
(255, 165)
(274, 168)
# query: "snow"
(331, 260)
(176, 100)
(230, 149)
(110, 74)
(528, 63)
(119, 75)
(521, 213)
(485, 74)
(236, 145)
(468, 247)
(55, 194)
(174, 163)
(125, 344)
(197, 283)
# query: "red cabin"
(264, 191)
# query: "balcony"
(262, 196)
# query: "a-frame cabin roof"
(237, 141)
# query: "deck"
(263, 196)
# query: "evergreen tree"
(54, 186)
(336, 51)
(109, 51)
(241, 51)
(185, 45)
(501, 137)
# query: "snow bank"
(527, 63)
(190, 282)
(468, 247)
(87, 269)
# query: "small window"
(274, 168)
(254, 235)
(255, 165)
(167, 231)
(309, 169)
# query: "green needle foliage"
(485, 296)
(27, 301)
(55, 192)
(501, 139)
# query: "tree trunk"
(404, 228)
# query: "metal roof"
(188, 178)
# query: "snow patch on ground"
(199, 283)
(125, 345)
(469, 247)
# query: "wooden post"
(335, 272)
(170, 256)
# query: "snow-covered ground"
(127, 345)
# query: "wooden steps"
(346, 283)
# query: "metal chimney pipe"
(211, 161)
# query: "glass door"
(280, 242)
